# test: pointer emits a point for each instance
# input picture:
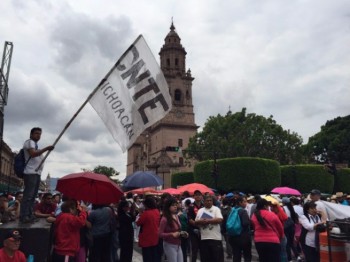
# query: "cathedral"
(159, 148)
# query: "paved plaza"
(137, 256)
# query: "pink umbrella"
(196, 186)
(286, 191)
(171, 191)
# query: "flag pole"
(89, 97)
(69, 123)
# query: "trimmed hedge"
(307, 177)
(343, 180)
(182, 178)
(247, 174)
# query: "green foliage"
(245, 135)
(332, 143)
(247, 174)
(182, 178)
(108, 171)
(343, 180)
(307, 177)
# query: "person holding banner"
(32, 173)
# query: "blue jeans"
(173, 252)
(31, 187)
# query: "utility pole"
(215, 170)
(4, 90)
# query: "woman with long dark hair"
(268, 232)
(289, 227)
(126, 231)
(170, 231)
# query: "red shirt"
(149, 223)
(17, 257)
(273, 230)
(67, 233)
(45, 208)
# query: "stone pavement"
(137, 256)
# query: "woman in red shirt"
(149, 226)
(268, 232)
(67, 232)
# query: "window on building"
(168, 62)
(177, 95)
(181, 161)
(179, 142)
(176, 61)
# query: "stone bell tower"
(159, 147)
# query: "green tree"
(332, 143)
(108, 171)
(245, 135)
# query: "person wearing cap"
(341, 197)
(315, 195)
(10, 251)
(193, 230)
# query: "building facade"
(159, 147)
(9, 182)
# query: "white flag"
(133, 96)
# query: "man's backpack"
(20, 163)
(233, 223)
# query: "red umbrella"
(90, 187)
(195, 186)
(171, 191)
(286, 191)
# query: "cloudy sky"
(289, 59)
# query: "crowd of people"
(178, 228)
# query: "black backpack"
(20, 163)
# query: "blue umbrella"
(141, 179)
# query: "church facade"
(159, 148)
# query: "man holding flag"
(133, 96)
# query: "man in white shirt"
(32, 173)
(208, 219)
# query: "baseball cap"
(13, 233)
(315, 192)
